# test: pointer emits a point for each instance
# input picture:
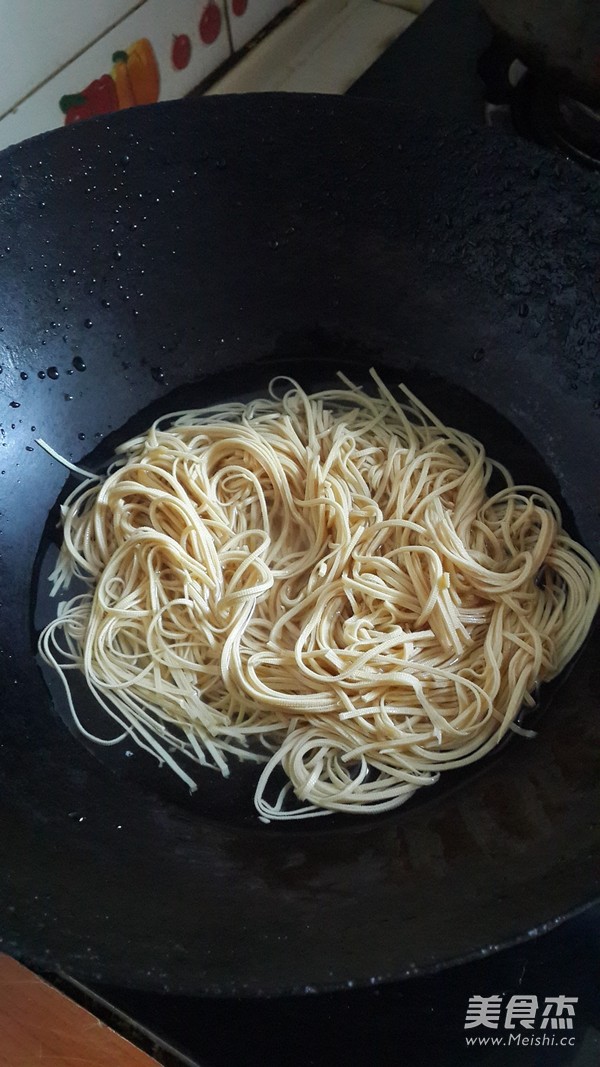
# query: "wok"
(185, 252)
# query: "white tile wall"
(158, 20)
(249, 17)
(37, 37)
(51, 48)
(416, 6)
(322, 47)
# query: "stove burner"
(518, 98)
(557, 121)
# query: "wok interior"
(233, 240)
(231, 799)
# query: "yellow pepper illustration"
(135, 74)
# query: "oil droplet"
(478, 355)
(53, 373)
(79, 363)
(158, 374)
(88, 324)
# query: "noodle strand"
(318, 583)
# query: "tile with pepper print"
(134, 79)
(157, 52)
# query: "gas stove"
(520, 100)
(473, 74)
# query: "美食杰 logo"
(522, 1019)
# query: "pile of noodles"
(320, 583)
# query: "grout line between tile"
(71, 59)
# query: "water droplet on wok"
(79, 363)
(53, 373)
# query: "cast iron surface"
(175, 248)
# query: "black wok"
(186, 251)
